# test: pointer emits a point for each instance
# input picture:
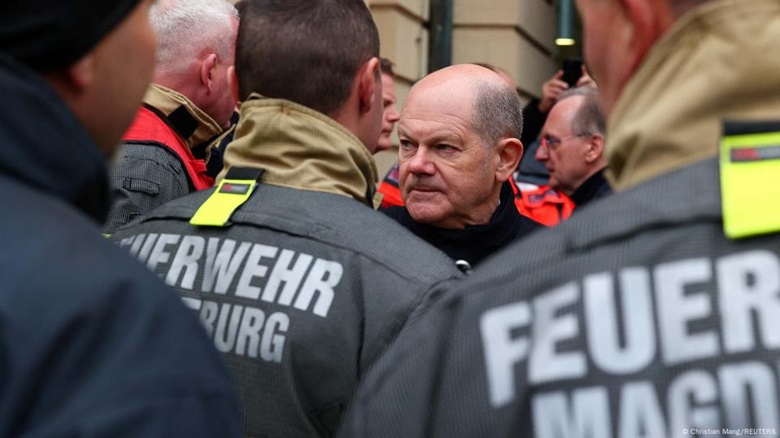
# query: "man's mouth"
(423, 189)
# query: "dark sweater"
(593, 188)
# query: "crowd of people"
(196, 242)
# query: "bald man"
(572, 146)
(458, 148)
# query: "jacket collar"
(473, 243)
(302, 149)
(192, 124)
(45, 146)
(687, 195)
(594, 187)
(669, 114)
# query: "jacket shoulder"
(333, 220)
(152, 152)
(98, 329)
(658, 246)
(144, 176)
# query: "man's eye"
(405, 144)
(444, 147)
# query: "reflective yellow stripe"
(229, 195)
(750, 184)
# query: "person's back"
(185, 110)
(91, 344)
(299, 287)
(638, 316)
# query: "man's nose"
(392, 115)
(421, 163)
(542, 153)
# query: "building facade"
(515, 35)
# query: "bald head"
(496, 110)
(458, 145)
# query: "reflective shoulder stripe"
(231, 193)
(750, 178)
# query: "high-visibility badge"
(750, 178)
(230, 194)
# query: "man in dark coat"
(91, 344)
(458, 148)
(572, 148)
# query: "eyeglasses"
(552, 143)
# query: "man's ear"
(649, 20)
(595, 149)
(82, 72)
(232, 82)
(71, 81)
(509, 152)
(369, 79)
(207, 70)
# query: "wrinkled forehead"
(436, 106)
(427, 99)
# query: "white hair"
(185, 28)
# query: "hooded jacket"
(306, 284)
(637, 316)
(91, 343)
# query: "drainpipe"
(440, 35)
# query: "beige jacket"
(720, 61)
(167, 101)
(301, 148)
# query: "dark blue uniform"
(91, 343)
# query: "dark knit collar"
(473, 243)
(593, 188)
(44, 144)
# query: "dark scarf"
(476, 242)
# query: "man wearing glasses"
(572, 147)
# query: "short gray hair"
(187, 27)
(590, 118)
(498, 113)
